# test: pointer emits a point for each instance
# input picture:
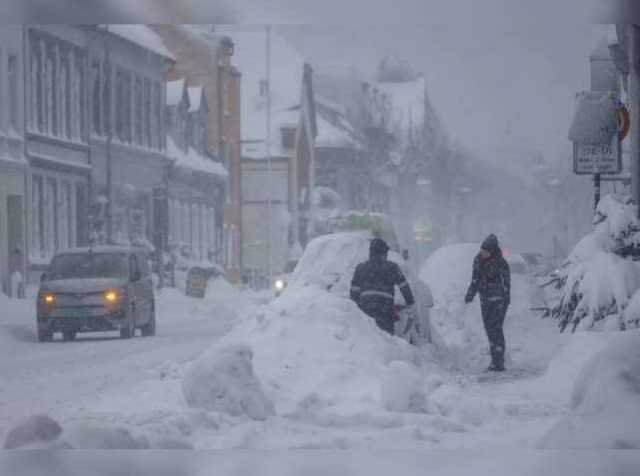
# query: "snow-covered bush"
(605, 400)
(600, 277)
(223, 380)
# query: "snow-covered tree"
(600, 277)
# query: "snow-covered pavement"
(100, 377)
(306, 371)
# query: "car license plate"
(75, 312)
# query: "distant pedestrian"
(373, 286)
(492, 280)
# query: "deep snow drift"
(605, 401)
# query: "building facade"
(56, 140)
(126, 96)
(196, 181)
(204, 60)
(13, 166)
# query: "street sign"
(591, 159)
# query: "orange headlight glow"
(111, 295)
(49, 298)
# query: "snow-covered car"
(280, 282)
(329, 262)
(95, 290)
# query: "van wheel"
(129, 331)
(149, 329)
(45, 336)
(69, 336)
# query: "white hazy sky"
(498, 70)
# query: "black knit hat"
(378, 247)
(490, 243)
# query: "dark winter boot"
(498, 359)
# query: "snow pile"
(307, 329)
(223, 380)
(456, 328)
(605, 401)
(599, 279)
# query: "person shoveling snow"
(492, 280)
(373, 286)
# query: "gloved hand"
(468, 299)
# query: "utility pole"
(268, 152)
(109, 126)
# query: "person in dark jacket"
(492, 280)
(373, 286)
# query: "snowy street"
(101, 377)
(317, 377)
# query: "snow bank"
(457, 330)
(605, 401)
(308, 329)
(223, 380)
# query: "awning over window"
(595, 120)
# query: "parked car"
(94, 290)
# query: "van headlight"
(48, 297)
(112, 296)
(280, 285)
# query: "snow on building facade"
(203, 58)
(13, 167)
(284, 191)
(196, 182)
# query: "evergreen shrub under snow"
(600, 277)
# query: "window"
(138, 111)
(12, 73)
(65, 96)
(123, 106)
(147, 113)
(264, 88)
(50, 234)
(65, 216)
(36, 216)
(288, 137)
(156, 116)
(96, 97)
(36, 89)
(106, 100)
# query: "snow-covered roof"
(142, 36)
(330, 135)
(191, 159)
(334, 129)
(407, 102)
(195, 98)
(175, 91)
(287, 68)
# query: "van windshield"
(89, 265)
